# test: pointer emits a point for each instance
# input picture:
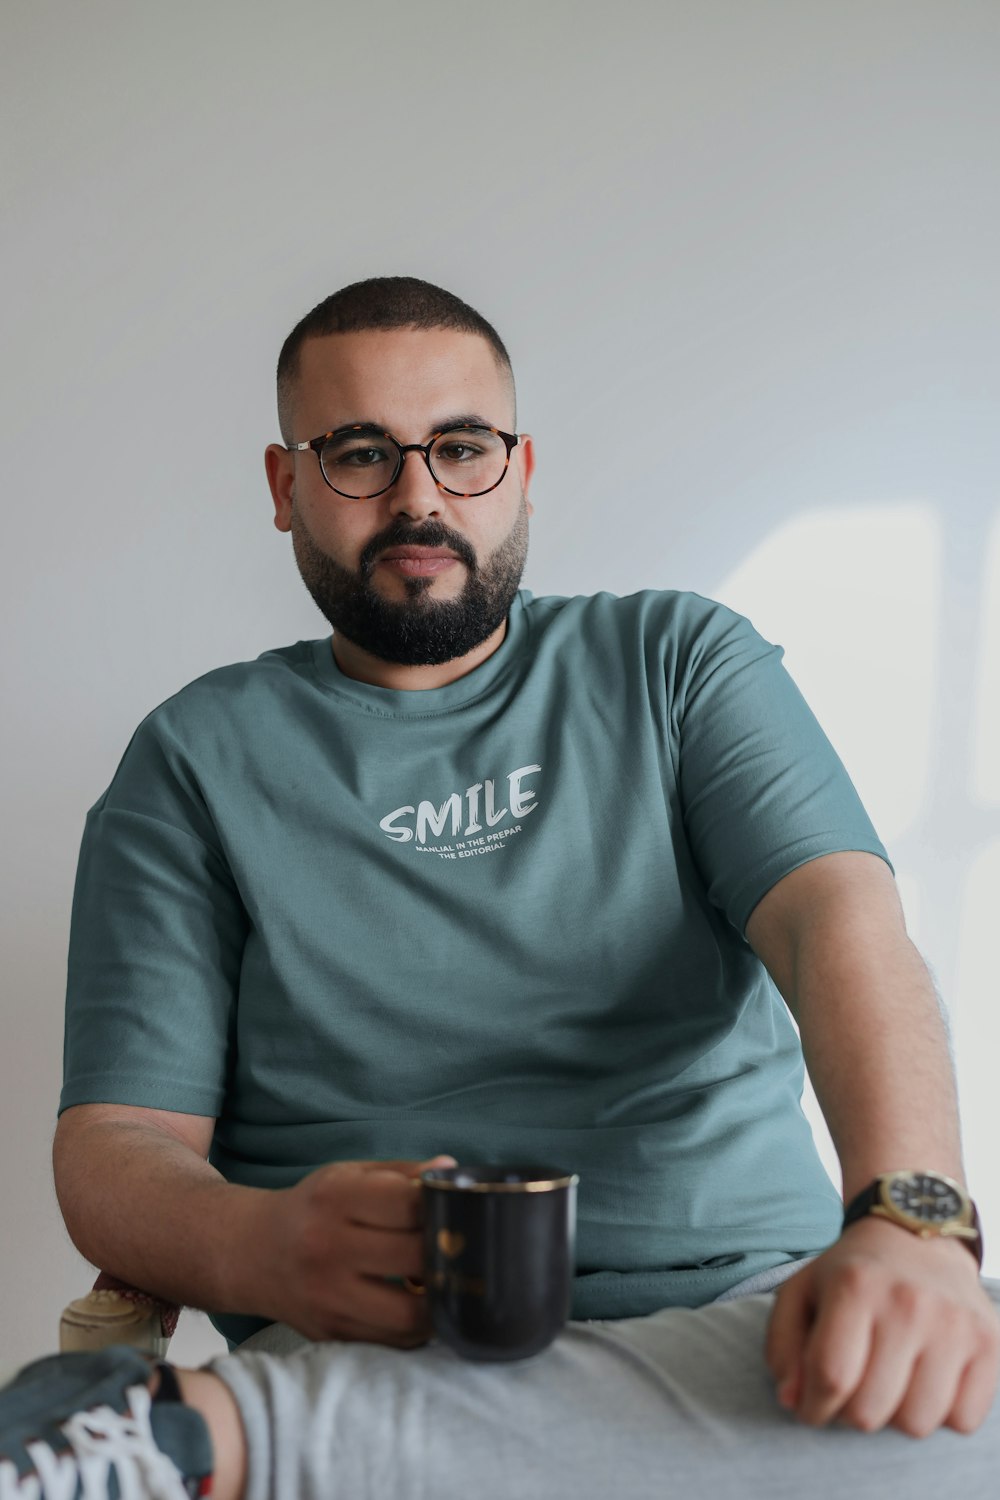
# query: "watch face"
(925, 1197)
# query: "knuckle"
(418, 1318)
(906, 1298)
(965, 1422)
(986, 1337)
(313, 1240)
(318, 1186)
(414, 1336)
(909, 1302)
(855, 1278)
(824, 1379)
(864, 1417)
(331, 1325)
(915, 1427)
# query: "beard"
(418, 631)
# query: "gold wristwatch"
(925, 1203)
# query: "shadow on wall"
(890, 619)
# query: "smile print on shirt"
(473, 815)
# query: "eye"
(353, 455)
(362, 454)
(454, 451)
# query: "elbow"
(73, 1168)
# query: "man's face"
(409, 382)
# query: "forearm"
(146, 1208)
(877, 1051)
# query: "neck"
(359, 664)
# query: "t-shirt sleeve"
(157, 933)
(762, 788)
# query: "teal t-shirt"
(502, 919)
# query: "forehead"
(403, 379)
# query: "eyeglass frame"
(511, 440)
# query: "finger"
(387, 1194)
(387, 1198)
(407, 1166)
(355, 1304)
(787, 1330)
(382, 1252)
(977, 1389)
(354, 1330)
(896, 1345)
(836, 1351)
(387, 1307)
(931, 1391)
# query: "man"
(520, 879)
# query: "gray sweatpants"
(677, 1403)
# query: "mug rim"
(550, 1178)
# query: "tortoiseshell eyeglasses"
(362, 461)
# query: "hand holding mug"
(335, 1248)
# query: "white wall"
(744, 258)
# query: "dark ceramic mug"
(499, 1246)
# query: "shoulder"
(235, 689)
(685, 625)
(207, 721)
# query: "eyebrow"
(462, 419)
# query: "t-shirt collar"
(403, 703)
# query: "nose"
(415, 492)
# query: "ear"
(279, 465)
(525, 452)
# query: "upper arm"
(849, 888)
(90, 1138)
(763, 792)
(157, 939)
(194, 1131)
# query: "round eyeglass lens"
(465, 461)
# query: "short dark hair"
(378, 303)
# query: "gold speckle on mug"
(449, 1243)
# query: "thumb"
(791, 1319)
(409, 1168)
(414, 1168)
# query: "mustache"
(430, 535)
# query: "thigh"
(276, 1338)
(671, 1404)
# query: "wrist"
(247, 1257)
(862, 1170)
(882, 1236)
(925, 1204)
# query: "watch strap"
(866, 1200)
(862, 1204)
